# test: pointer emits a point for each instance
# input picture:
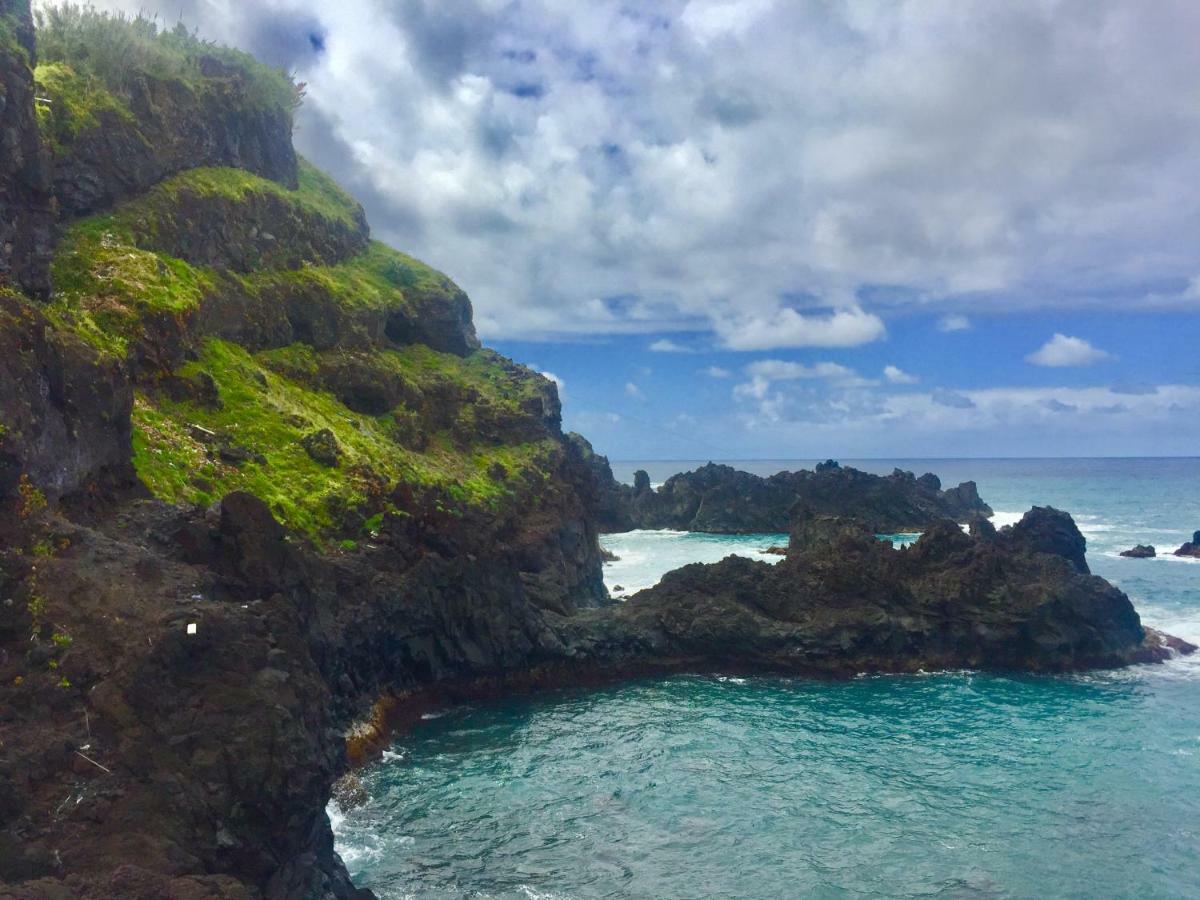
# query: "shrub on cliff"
(119, 49)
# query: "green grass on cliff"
(105, 287)
(268, 414)
(71, 104)
(375, 279)
(119, 49)
(317, 194)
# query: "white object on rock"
(191, 628)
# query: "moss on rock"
(177, 450)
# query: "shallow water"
(944, 785)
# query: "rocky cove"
(263, 495)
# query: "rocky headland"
(263, 494)
(723, 500)
(842, 602)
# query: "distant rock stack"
(1141, 551)
(1191, 548)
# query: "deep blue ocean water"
(949, 784)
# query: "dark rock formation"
(322, 446)
(844, 602)
(721, 499)
(1191, 548)
(1141, 551)
(26, 215)
(610, 499)
(64, 409)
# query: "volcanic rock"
(1141, 551)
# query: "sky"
(741, 229)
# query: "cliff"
(721, 499)
(26, 216)
(235, 410)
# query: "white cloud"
(716, 372)
(1062, 350)
(632, 390)
(666, 345)
(789, 328)
(781, 370)
(608, 168)
(951, 323)
(899, 376)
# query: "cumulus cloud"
(789, 328)
(632, 390)
(953, 323)
(666, 345)
(897, 375)
(737, 167)
(716, 372)
(1062, 350)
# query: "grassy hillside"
(273, 347)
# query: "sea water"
(946, 784)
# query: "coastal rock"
(721, 499)
(844, 602)
(1191, 548)
(1141, 551)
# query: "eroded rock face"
(173, 127)
(259, 231)
(721, 499)
(64, 408)
(26, 214)
(844, 602)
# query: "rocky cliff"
(26, 216)
(236, 411)
(721, 499)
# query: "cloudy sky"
(776, 228)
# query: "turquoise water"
(949, 784)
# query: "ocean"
(944, 784)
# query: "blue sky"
(798, 195)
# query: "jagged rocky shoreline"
(259, 484)
(722, 500)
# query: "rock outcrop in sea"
(723, 500)
(1141, 551)
(1191, 548)
(844, 602)
(262, 490)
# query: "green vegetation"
(268, 415)
(317, 194)
(70, 103)
(118, 49)
(105, 286)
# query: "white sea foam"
(644, 556)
